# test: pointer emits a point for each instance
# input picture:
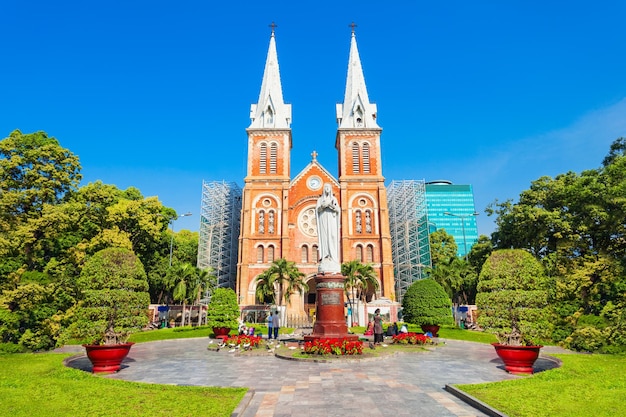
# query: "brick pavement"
(399, 385)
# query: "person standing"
(378, 327)
(269, 326)
(275, 324)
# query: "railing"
(298, 321)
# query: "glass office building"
(451, 207)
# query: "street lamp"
(171, 222)
(462, 217)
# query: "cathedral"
(278, 210)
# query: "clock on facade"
(314, 183)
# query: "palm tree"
(183, 275)
(359, 278)
(203, 282)
(281, 273)
(457, 277)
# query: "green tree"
(223, 309)
(443, 248)
(115, 298)
(575, 224)
(281, 273)
(426, 303)
(479, 252)
(34, 170)
(359, 280)
(513, 298)
(183, 277)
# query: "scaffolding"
(408, 222)
(219, 231)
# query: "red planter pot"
(221, 332)
(517, 359)
(107, 358)
(432, 328)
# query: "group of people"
(244, 330)
(375, 327)
(273, 324)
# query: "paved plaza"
(396, 385)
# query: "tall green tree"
(576, 224)
(359, 279)
(34, 170)
(280, 281)
(443, 248)
(184, 279)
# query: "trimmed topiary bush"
(115, 298)
(223, 310)
(512, 298)
(426, 303)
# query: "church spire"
(356, 110)
(271, 111)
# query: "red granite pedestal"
(330, 321)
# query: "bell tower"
(363, 198)
(264, 219)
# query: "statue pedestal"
(330, 321)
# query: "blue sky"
(156, 94)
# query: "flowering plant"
(243, 341)
(333, 346)
(412, 339)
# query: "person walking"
(378, 327)
(275, 324)
(269, 326)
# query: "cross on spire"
(352, 26)
(314, 155)
(273, 26)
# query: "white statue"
(328, 219)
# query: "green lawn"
(450, 332)
(39, 385)
(586, 385)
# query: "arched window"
(358, 222)
(270, 253)
(368, 221)
(259, 254)
(366, 158)
(261, 226)
(355, 158)
(358, 117)
(359, 253)
(273, 156)
(269, 117)
(369, 253)
(305, 254)
(263, 159)
(314, 254)
(270, 222)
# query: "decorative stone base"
(330, 321)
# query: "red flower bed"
(333, 347)
(412, 339)
(242, 340)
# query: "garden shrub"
(512, 298)
(426, 302)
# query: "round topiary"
(426, 303)
(512, 298)
(115, 298)
(223, 310)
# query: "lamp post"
(172, 240)
(462, 217)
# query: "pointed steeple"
(356, 110)
(271, 111)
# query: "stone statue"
(328, 219)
